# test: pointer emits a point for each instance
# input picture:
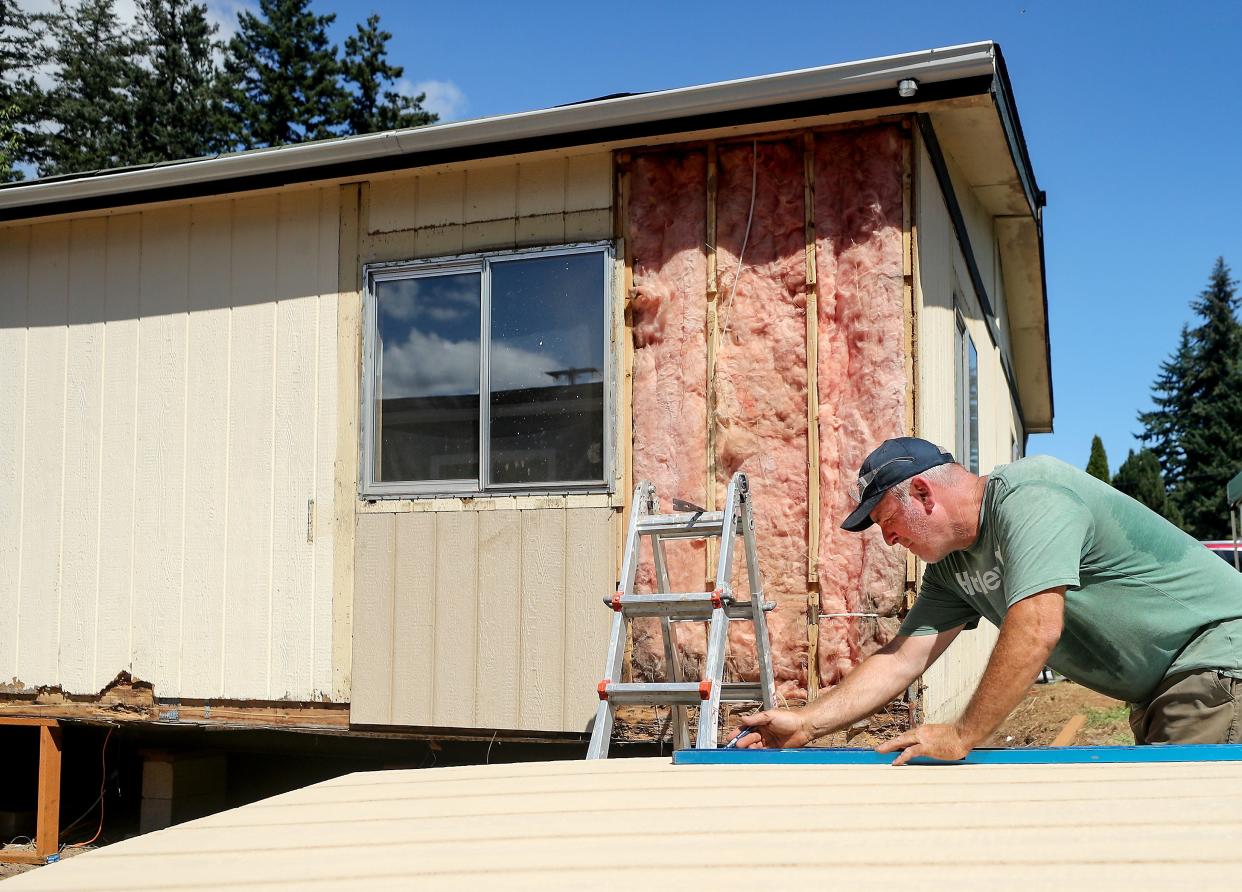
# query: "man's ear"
(921, 492)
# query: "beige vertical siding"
(483, 613)
(481, 618)
(941, 267)
(167, 436)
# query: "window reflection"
(428, 377)
(546, 369)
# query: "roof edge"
(643, 112)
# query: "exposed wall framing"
(803, 143)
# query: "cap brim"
(860, 517)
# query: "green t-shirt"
(1143, 599)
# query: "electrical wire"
(103, 781)
(750, 216)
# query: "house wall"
(168, 431)
(940, 267)
(484, 612)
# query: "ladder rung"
(683, 606)
(682, 526)
(684, 693)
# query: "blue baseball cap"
(890, 463)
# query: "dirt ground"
(12, 870)
(1036, 721)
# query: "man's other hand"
(777, 728)
(944, 742)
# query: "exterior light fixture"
(907, 88)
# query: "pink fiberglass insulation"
(667, 228)
(760, 381)
(761, 385)
(862, 376)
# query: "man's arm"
(873, 684)
(1030, 631)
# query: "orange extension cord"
(103, 780)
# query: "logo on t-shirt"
(980, 582)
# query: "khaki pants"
(1200, 706)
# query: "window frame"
(963, 345)
(371, 489)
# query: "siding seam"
(228, 443)
(64, 436)
(133, 496)
(21, 480)
(103, 394)
(271, 491)
(185, 450)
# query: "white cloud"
(428, 365)
(223, 14)
(444, 98)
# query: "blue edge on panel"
(1053, 755)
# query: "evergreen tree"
(1097, 464)
(281, 77)
(372, 105)
(1139, 477)
(19, 48)
(1196, 428)
(174, 92)
(87, 114)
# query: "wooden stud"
(622, 222)
(910, 313)
(47, 824)
(812, 417)
(713, 347)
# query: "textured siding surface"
(167, 422)
(483, 613)
(941, 268)
(481, 619)
(560, 825)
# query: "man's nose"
(890, 537)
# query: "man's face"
(915, 524)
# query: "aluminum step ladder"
(719, 607)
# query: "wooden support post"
(47, 815)
(713, 346)
(812, 421)
(47, 834)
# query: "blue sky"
(1132, 112)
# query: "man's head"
(919, 496)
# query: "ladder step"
(682, 526)
(685, 693)
(683, 606)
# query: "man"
(1077, 576)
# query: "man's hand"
(944, 742)
(779, 728)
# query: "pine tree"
(1097, 464)
(371, 105)
(281, 77)
(1196, 428)
(87, 114)
(174, 93)
(19, 48)
(1139, 477)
